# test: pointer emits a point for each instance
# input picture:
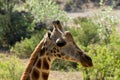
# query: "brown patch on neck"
(46, 65)
(28, 78)
(35, 74)
(59, 56)
(38, 64)
(45, 75)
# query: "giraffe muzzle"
(86, 61)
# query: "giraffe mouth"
(87, 65)
(86, 61)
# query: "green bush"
(14, 25)
(87, 32)
(24, 48)
(19, 28)
(10, 68)
(106, 63)
(106, 22)
(99, 39)
(105, 56)
(62, 65)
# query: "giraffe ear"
(57, 25)
(69, 36)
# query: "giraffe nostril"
(88, 58)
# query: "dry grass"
(57, 75)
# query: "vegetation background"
(24, 22)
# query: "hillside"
(80, 5)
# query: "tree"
(45, 10)
(13, 24)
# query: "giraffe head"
(60, 44)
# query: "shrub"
(104, 55)
(106, 63)
(19, 28)
(106, 22)
(64, 65)
(10, 68)
(14, 25)
(105, 59)
(24, 48)
(87, 33)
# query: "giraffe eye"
(60, 42)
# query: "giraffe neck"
(39, 65)
(41, 68)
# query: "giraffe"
(55, 44)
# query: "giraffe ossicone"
(55, 44)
